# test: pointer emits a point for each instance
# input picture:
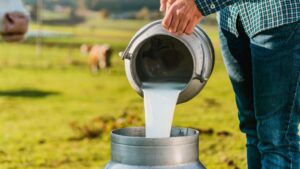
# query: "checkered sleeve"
(207, 7)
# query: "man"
(261, 49)
(13, 20)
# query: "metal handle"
(206, 73)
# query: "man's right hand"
(165, 5)
(181, 16)
(15, 26)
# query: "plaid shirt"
(255, 15)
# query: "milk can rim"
(142, 141)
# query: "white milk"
(160, 100)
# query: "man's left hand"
(182, 16)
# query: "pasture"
(52, 108)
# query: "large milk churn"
(131, 150)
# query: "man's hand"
(15, 26)
(182, 16)
(165, 5)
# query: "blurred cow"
(13, 20)
(99, 56)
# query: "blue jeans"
(265, 75)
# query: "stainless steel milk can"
(131, 150)
(155, 55)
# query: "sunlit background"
(57, 109)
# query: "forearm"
(211, 6)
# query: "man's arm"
(182, 16)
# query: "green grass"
(40, 96)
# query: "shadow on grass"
(27, 93)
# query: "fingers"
(167, 20)
(191, 26)
(176, 19)
(163, 5)
(175, 22)
(172, 19)
(181, 17)
(169, 4)
(184, 21)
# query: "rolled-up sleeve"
(207, 7)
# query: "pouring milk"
(159, 101)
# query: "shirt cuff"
(207, 7)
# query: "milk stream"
(160, 101)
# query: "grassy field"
(49, 103)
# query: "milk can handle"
(206, 73)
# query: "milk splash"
(160, 100)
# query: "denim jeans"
(265, 74)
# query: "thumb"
(163, 4)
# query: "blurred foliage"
(111, 5)
(143, 13)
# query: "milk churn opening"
(162, 58)
(140, 132)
